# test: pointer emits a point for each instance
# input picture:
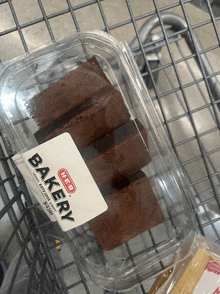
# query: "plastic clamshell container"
(147, 254)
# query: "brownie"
(132, 210)
(92, 111)
(68, 92)
(91, 121)
(122, 152)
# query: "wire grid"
(159, 64)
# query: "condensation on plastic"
(24, 77)
(186, 272)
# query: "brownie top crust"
(68, 92)
(101, 146)
(132, 210)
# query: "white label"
(67, 189)
(210, 280)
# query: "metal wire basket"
(178, 56)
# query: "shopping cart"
(177, 52)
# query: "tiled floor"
(87, 18)
(61, 22)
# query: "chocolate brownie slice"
(68, 92)
(122, 152)
(104, 112)
(132, 210)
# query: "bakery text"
(53, 186)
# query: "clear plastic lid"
(81, 102)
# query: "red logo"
(213, 267)
(66, 180)
(217, 291)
